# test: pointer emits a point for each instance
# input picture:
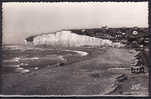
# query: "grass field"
(104, 71)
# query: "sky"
(21, 20)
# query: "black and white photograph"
(75, 49)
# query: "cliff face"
(68, 39)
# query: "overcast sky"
(21, 20)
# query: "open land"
(104, 71)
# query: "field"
(41, 71)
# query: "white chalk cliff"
(69, 39)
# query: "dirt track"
(93, 76)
